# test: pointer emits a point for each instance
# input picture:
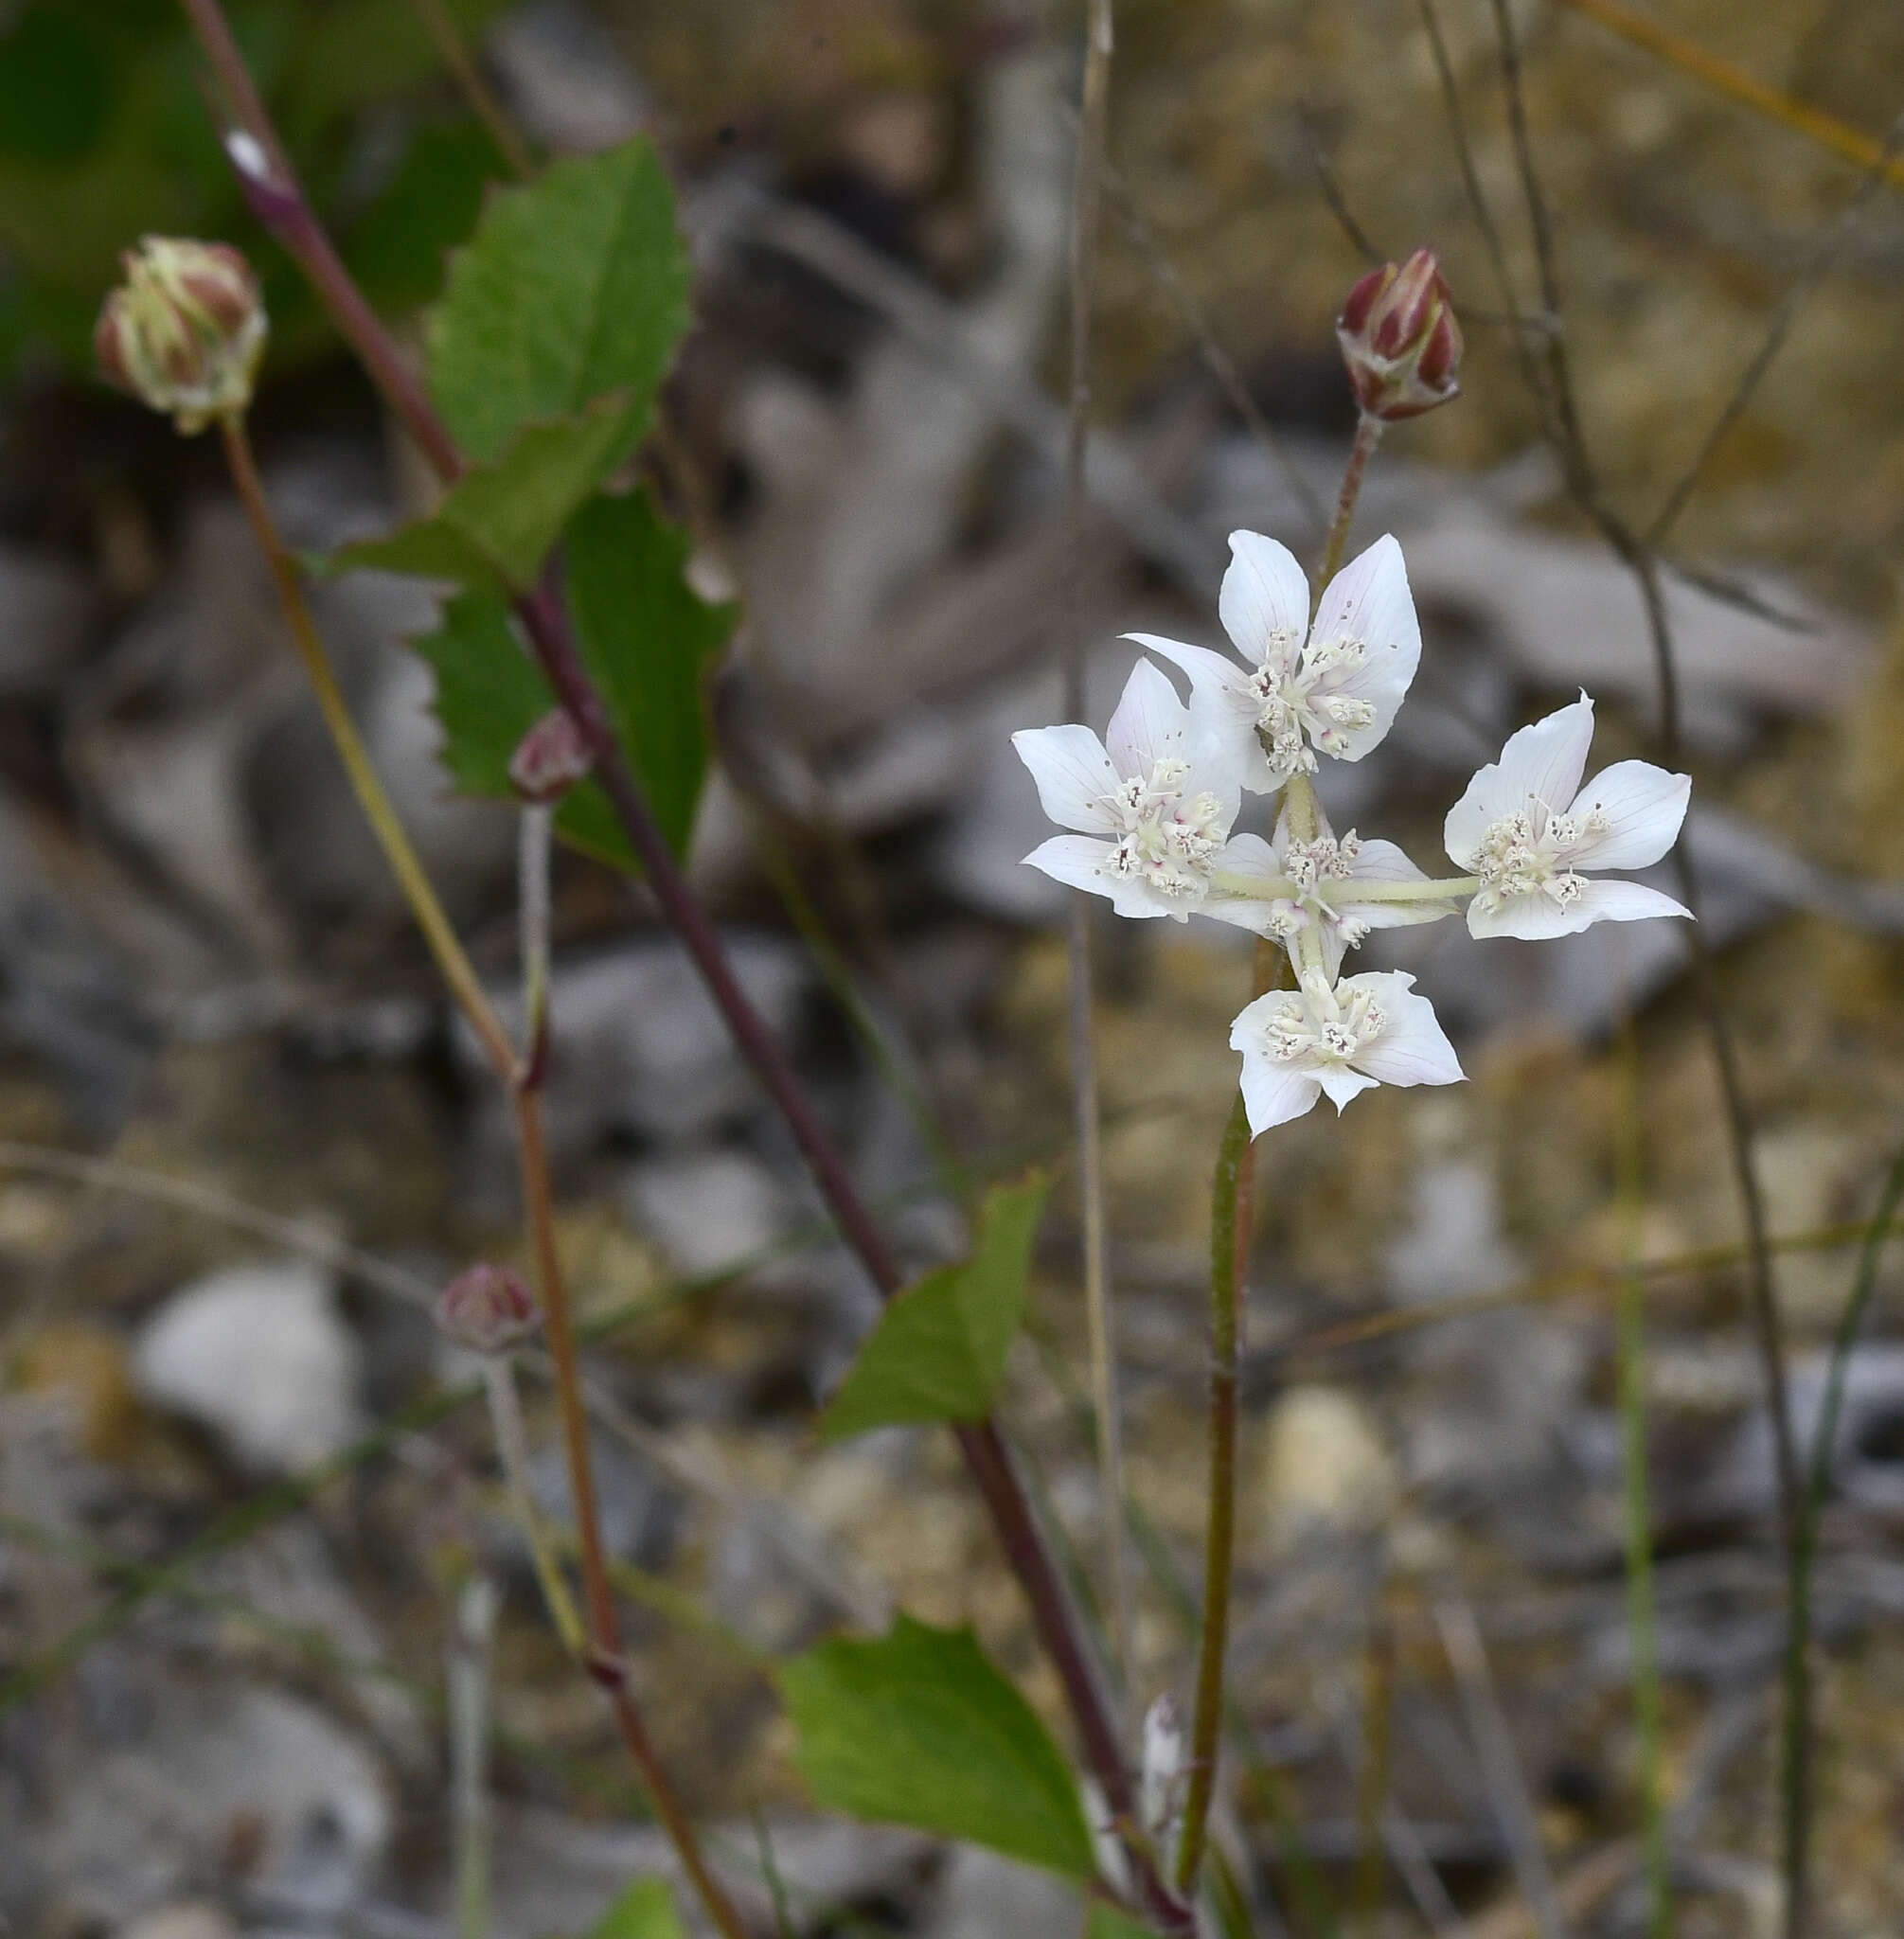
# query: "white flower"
(1160, 802)
(1526, 827)
(1323, 875)
(1364, 1030)
(1328, 688)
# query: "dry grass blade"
(1499, 1767)
(1733, 82)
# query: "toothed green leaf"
(938, 1350)
(917, 1727)
(572, 287)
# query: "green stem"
(1639, 1538)
(1276, 888)
(513, 1451)
(1795, 1753)
(1228, 1208)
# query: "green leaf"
(917, 1728)
(498, 522)
(398, 245)
(572, 287)
(489, 693)
(1110, 1922)
(644, 1910)
(647, 637)
(938, 1350)
(55, 88)
(643, 635)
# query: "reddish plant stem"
(281, 206)
(520, 1078)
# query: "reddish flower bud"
(1400, 339)
(185, 331)
(486, 1308)
(550, 759)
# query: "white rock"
(261, 1356)
(149, 1820)
(1324, 1467)
(982, 1896)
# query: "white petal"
(1264, 603)
(1274, 1093)
(1222, 709)
(1618, 901)
(1078, 863)
(1340, 1084)
(1382, 862)
(1643, 806)
(1534, 917)
(1547, 759)
(1238, 914)
(1414, 1048)
(1543, 760)
(1150, 724)
(1073, 773)
(1369, 600)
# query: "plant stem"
(1086, 192)
(454, 966)
(512, 1451)
(1231, 1222)
(1230, 1206)
(280, 204)
(518, 1078)
(1367, 436)
(468, 74)
(467, 1679)
(1639, 1533)
(1795, 1775)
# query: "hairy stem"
(1230, 1210)
(1087, 180)
(1367, 436)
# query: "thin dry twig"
(1499, 1766)
(1689, 57)
(1099, 1318)
(1822, 258)
(467, 72)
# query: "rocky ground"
(244, 1490)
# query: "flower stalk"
(1232, 1219)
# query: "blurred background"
(241, 1144)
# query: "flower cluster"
(1152, 809)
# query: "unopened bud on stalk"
(1400, 339)
(486, 1308)
(185, 331)
(550, 759)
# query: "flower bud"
(1400, 339)
(550, 759)
(486, 1308)
(185, 331)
